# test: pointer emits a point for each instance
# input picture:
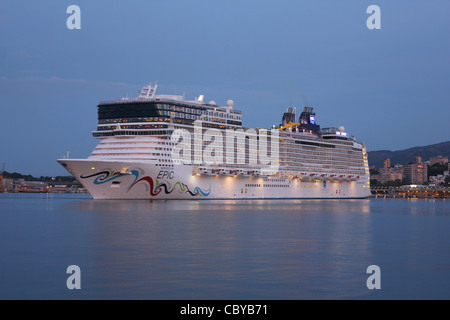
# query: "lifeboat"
(204, 171)
(260, 174)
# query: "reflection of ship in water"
(308, 249)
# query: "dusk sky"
(390, 88)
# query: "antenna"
(3, 169)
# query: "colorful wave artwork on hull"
(156, 187)
(106, 176)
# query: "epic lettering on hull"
(165, 174)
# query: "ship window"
(129, 110)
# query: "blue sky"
(390, 87)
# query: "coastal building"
(415, 173)
(411, 191)
(387, 163)
(6, 185)
(31, 186)
(439, 159)
(72, 187)
(391, 174)
(437, 180)
(21, 185)
(375, 176)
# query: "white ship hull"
(106, 179)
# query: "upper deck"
(150, 112)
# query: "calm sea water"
(223, 249)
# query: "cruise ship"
(166, 147)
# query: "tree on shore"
(437, 169)
(15, 176)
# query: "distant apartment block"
(391, 174)
(413, 173)
(375, 177)
(439, 179)
(439, 159)
(416, 173)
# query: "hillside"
(376, 158)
